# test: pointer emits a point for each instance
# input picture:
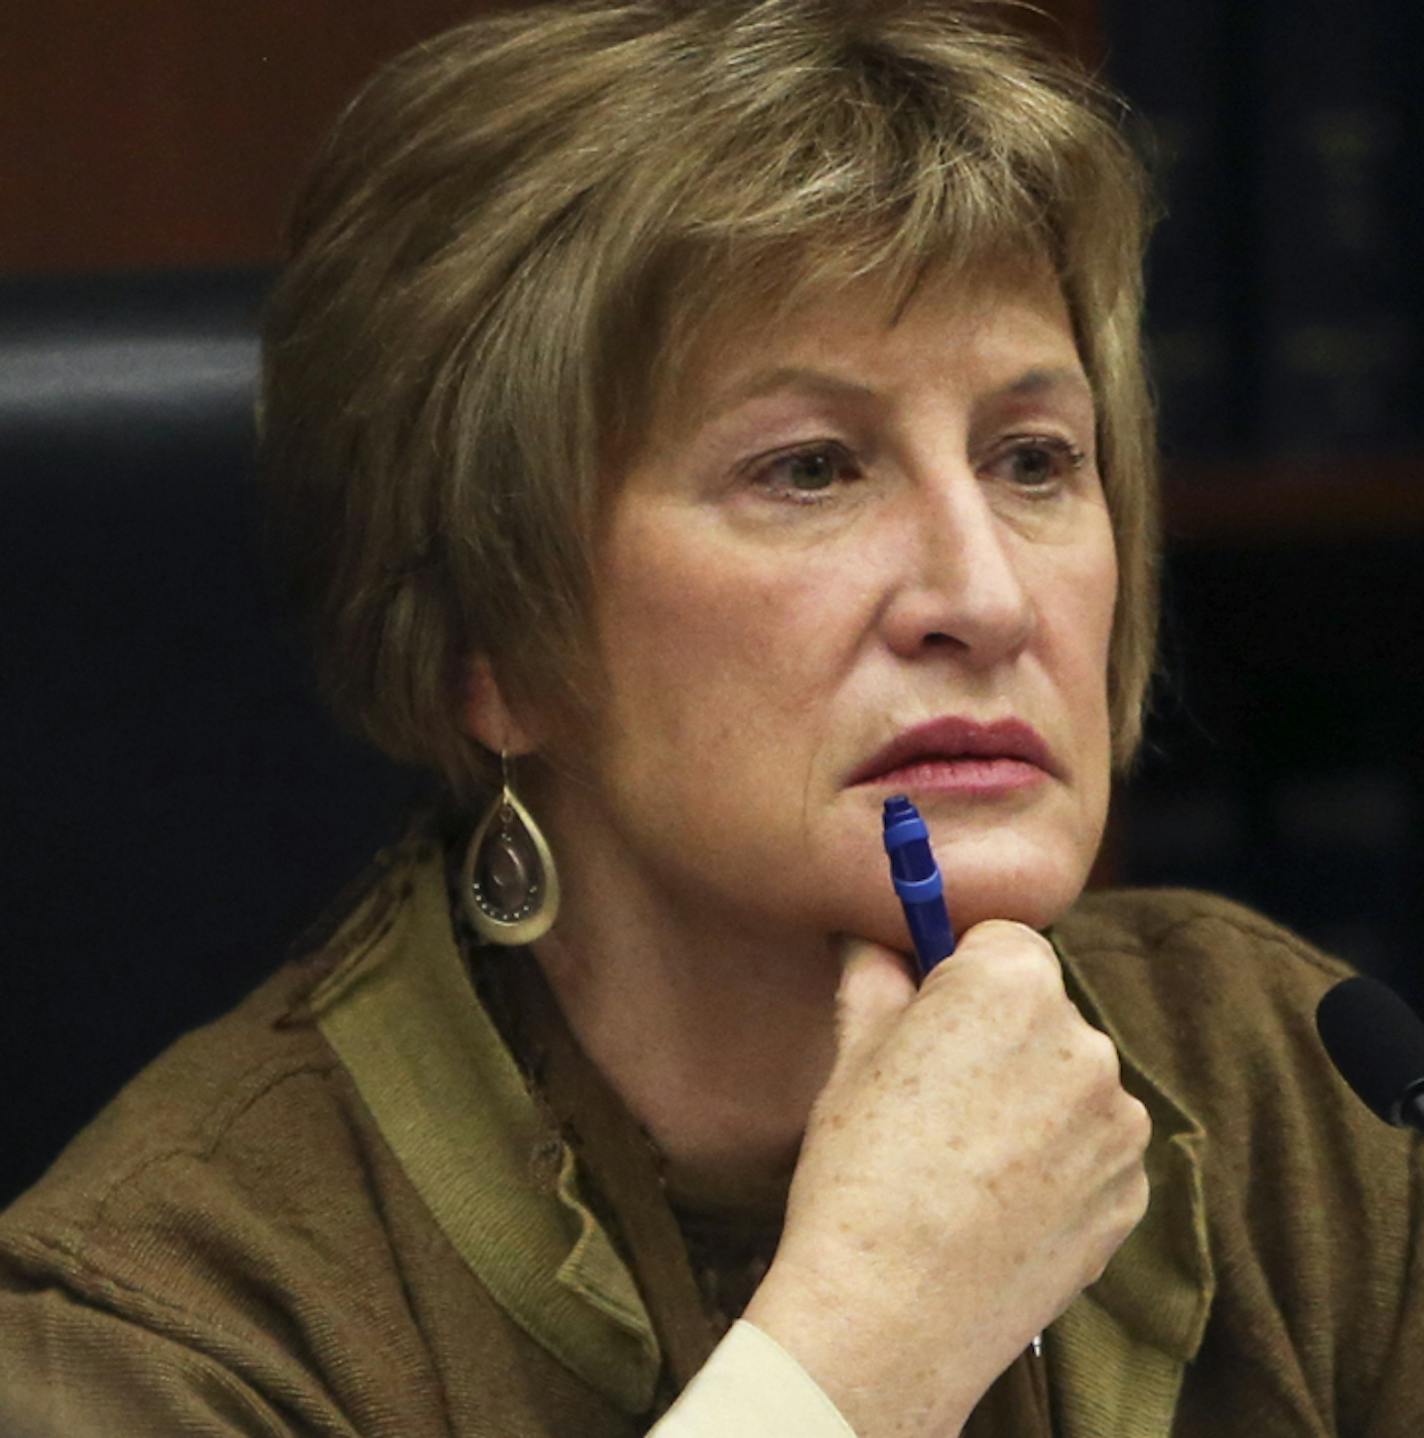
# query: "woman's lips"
(968, 775)
(962, 754)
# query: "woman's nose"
(961, 580)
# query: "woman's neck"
(717, 1043)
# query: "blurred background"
(161, 746)
(1286, 322)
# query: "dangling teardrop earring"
(508, 882)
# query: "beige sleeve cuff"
(751, 1387)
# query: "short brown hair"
(517, 229)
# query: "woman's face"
(848, 530)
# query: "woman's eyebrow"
(1043, 378)
(1035, 381)
(783, 377)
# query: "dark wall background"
(1286, 320)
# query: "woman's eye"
(807, 476)
(1040, 462)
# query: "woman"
(689, 426)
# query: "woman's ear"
(487, 715)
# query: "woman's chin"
(1036, 894)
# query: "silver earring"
(508, 882)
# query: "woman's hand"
(971, 1164)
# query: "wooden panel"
(1075, 26)
(153, 133)
(1286, 501)
(168, 132)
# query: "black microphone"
(1377, 1042)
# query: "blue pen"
(917, 881)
